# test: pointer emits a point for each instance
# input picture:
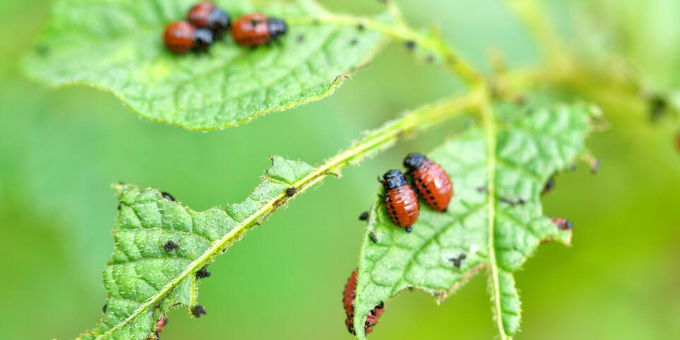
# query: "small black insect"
(291, 191)
(363, 216)
(548, 185)
(167, 196)
(410, 45)
(374, 239)
(170, 246)
(199, 310)
(203, 273)
(104, 308)
(458, 260)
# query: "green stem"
(401, 32)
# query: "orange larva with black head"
(433, 184)
(562, 223)
(400, 199)
(206, 14)
(257, 29)
(348, 297)
(182, 37)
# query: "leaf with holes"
(162, 248)
(494, 221)
(117, 46)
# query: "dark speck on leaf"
(363, 216)
(573, 167)
(360, 27)
(170, 246)
(657, 107)
(429, 58)
(301, 38)
(374, 239)
(42, 50)
(353, 42)
(104, 308)
(458, 260)
(410, 45)
(291, 191)
(118, 206)
(199, 310)
(595, 167)
(203, 273)
(167, 196)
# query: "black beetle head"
(203, 39)
(413, 160)
(277, 27)
(218, 21)
(393, 179)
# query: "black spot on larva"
(410, 45)
(170, 246)
(104, 308)
(374, 239)
(363, 216)
(199, 310)
(291, 191)
(425, 186)
(203, 273)
(167, 196)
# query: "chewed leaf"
(161, 245)
(445, 249)
(117, 46)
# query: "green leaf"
(144, 279)
(530, 148)
(116, 45)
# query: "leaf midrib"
(491, 144)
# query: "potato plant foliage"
(499, 165)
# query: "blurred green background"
(60, 151)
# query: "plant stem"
(400, 31)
